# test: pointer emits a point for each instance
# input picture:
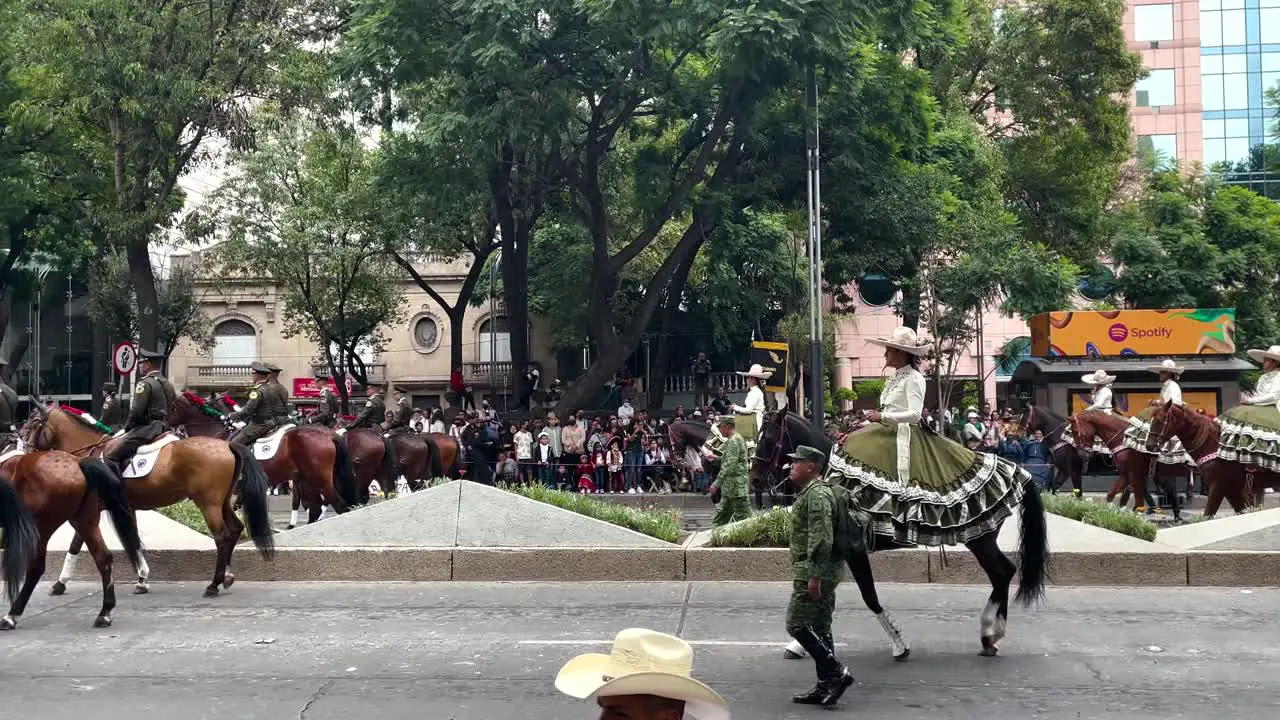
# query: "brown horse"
(1241, 485)
(448, 456)
(211, 473)
(373, 458)
(1133, 468)
(310, 457)
(49, 489)
(416, 456)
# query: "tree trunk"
(657, 390)
(515, 292)
(144, 287)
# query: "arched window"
(494, 341)
(235, 342)
(876, 289)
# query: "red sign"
(306, 387)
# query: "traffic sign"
(124, 357)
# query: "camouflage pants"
(732, 509)
(805, 613)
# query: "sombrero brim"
(1092, 380)
(1157, 369)
(916, 350)
(583, 678)
(763, 376)
(1261, 355)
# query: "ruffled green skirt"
(1251, 436)
(953, 495)
(1139, 430)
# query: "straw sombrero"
(1167, 366)
(1271, 353)
(902, 338)
(757, 371)
(1098, 377)
(643, 662)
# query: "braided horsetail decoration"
(87, 419)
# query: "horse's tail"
(20, 538)
(1033, 548)
(455, 466)
(390, 465)
(435, 459)
(344, 472)
(110, 489)
(253, 496)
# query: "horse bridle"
(37, 428)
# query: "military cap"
(322, 374)
(272, 367)
(804, 452)
(146, 354)
(260, 368)
(729, 420)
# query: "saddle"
(265, 448)
(142, 461)
(11, 454)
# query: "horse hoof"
(791, 656)
(59, 588)
(903, 657)
(141, 589)
(8, 623)
(289, 527)
(103, 621)
(989, 648)
(211, 591)
(229, 580)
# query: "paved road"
(488, 651)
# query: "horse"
(373, 458)
(783, 433)
(1241, 485)
(310, 457)
(448, 456)
(416, 457)
(691, 436)
(1066, 462)
(40, 491)
(1133, 467)
(211, 473)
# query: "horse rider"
(260, 411)
(374, 412)
(1100, 398)
(112, 411)
(8, 411)
(754, 404)
(148, 411)
(1170, 390)
(401, 414)
(327, 408)
(1249, 429)
(279, 394)
(732, 482)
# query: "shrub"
(661, 524)
(1100, 514)
(186, 513)
(768, 529)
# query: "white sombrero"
(1167, 366)
(643, 662)
(1098, 377)
(1271, 353)
(757, 371)
(903, 338)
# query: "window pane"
(1271, 61)
(1153, 22)
(1236, 128)
(1270, 24)
(1156, 90)
(1211, 65)
(1212, 128)
(1210, 28)
(1233, 27)
(1165, 147)
(1237, 149)
(1213, 4)
(1234, 63)
(235, 349)
(1232, 4)
(1211, 92)
(1214, 152)
(1265, 3)
(1270, 81)
(1235, 92)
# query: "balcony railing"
(377, 372)
(483, 374)
(229, 374)
(731, 382)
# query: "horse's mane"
(1051, 417)
(84, 418)
(201, 404)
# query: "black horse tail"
(434, 470)
(20, 538)
(1033, 548)
(344, 472)
(455, 467)
(110, 489)
(253, 497)
(390, 466)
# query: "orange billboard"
(1133, 402)
(1134, 333)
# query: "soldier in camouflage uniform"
(260, 412)
(148, 411)
(8, 412)
(327, 408)
(401, 414)
(815, 573)
(732, 482)
(374, 412)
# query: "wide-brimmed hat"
(643, 662)
(757, 371)
(902, 338)
(1098, 377)
(1167, 366)
(1271, 353)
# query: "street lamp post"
(815, 253)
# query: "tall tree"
(180, 293)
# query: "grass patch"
(770, 529)
(661, 524)
(1100, 514)
(186, 513)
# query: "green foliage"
(768, 529)
(869, 388)
(113, 303)
(1103, 515)
(661, 524)
(186, 513)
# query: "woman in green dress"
(1251, 430)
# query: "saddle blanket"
(11, 454)
(145, 458)
(265, 448)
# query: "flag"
(771, 356)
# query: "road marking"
(710, 643)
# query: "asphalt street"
(480, 651)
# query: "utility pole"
(815, 253)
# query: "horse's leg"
(1077, 475)
(144, 570)
(87, 527)
(295, 505)
(215, 519)
(68, 565)
(233, 528)
(860, 568)
(34, 572)
(1000, 569)
(1216, 488)
(1120, 484)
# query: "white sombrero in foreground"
(756, 371)
(902, 338)
(1271, 353)
(643, 662)
(1098, 377)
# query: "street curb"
(694, 564)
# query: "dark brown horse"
(448, 456)
(1240, 485)
(213, 474)
(39, 492)
(310, 458)
(1133, 468)
(373, 458)
(1067, 463)
(416, 458)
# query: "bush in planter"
(768, 529)
(661, 524)
(1100, 514)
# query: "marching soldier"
(8, 411)
(374, 412)
(732, 482)
(401, 414)
(327, 408)
(259, 411)
(815, 573)
(112, 410)
(148, 411)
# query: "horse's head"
(1168, 420)
(1083, 432)
(35, 432)
(771, 448)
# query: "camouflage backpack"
(851, 528)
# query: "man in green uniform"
(8, 412)
(327, 408)
(815, 573)
(260, 411)
(112, 411)
(374, 412)
(732, 482)
(148, 412)
(279, 394)
(401, 413)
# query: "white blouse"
(1268, 390)
(754, 402)
(901, 404)
(1100, 400)
(1170, 391)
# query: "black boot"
(833, 678)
